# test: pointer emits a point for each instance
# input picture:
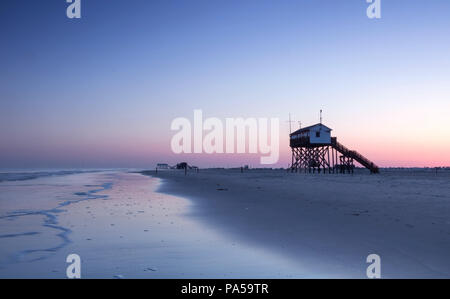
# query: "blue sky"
(101, 91)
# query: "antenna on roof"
(320, 116)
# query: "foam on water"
(30, 175)
(120, 226)
(48, 217)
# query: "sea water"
(120, 226)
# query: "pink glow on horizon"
(146, 148)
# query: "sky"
(102, 91)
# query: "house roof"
(307, 129)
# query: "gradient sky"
(102, 91)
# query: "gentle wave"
(22, 176)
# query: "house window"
(317, 134)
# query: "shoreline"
(121, 228)
(327, 223)
(228, 224)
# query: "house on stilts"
(313, 149)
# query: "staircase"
(355, 156)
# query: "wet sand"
(121, 228)
(328, 223)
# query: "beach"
(120, 227)
(328, 223)
(221, 223)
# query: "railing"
(305, 142)
(355, 155)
